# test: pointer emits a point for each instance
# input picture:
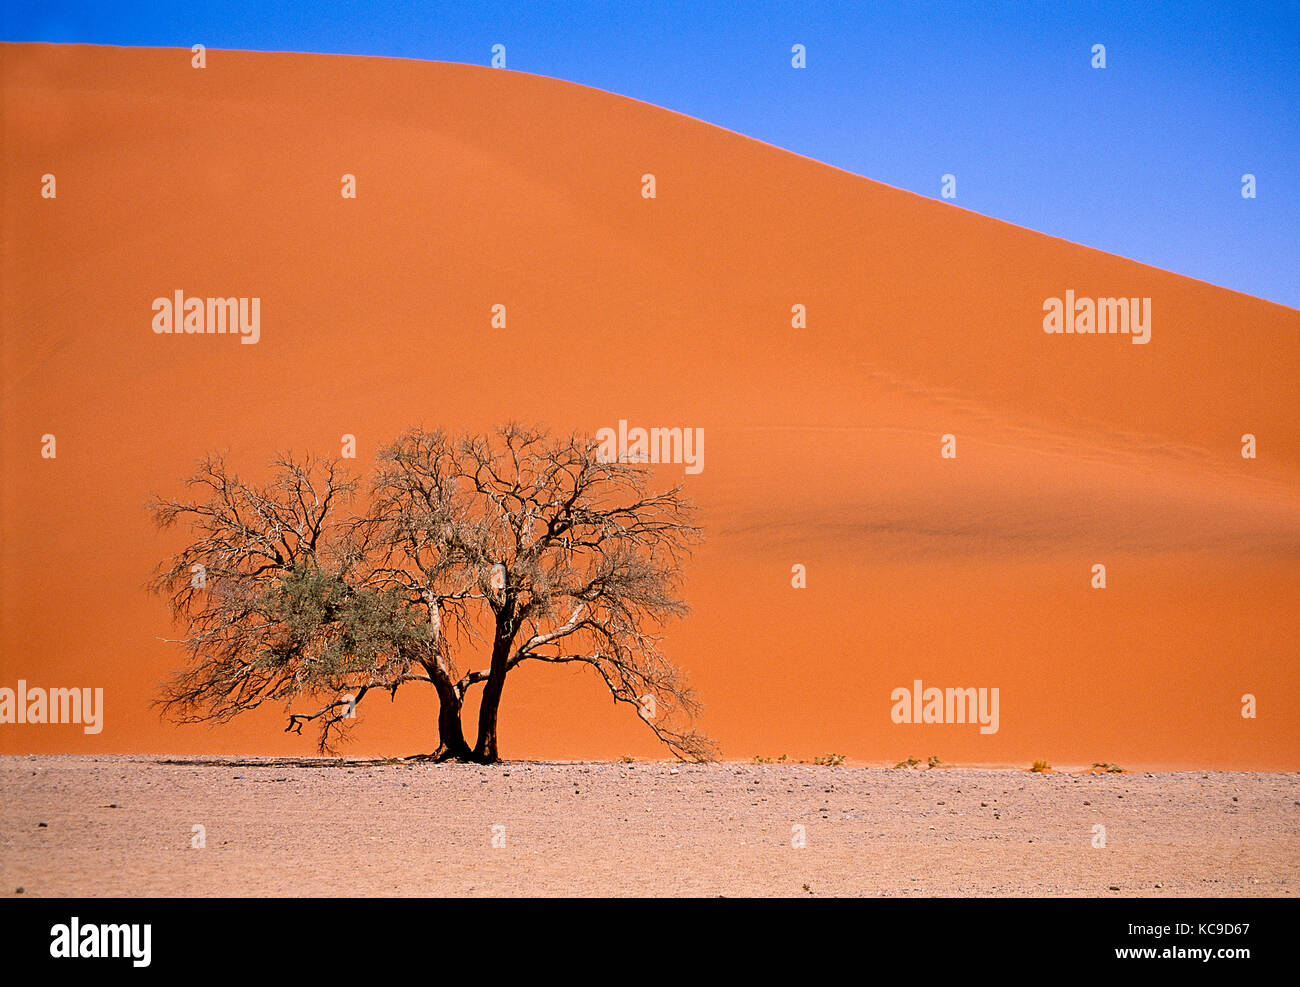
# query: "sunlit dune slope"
(478, 187)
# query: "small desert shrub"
(911, 762)
(934, 761)
(830, 760)
(626, 759)
(1041, 766)
(760, 759)
(1109, 768)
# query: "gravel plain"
(132, 825)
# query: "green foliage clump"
(329, 630)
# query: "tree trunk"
(451, 735)
(486, 748)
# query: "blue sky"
(1143, 158)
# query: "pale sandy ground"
(122, 826)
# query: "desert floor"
(124, 826)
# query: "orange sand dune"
(478, 187)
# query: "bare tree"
(268, 594)
(511, 543)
